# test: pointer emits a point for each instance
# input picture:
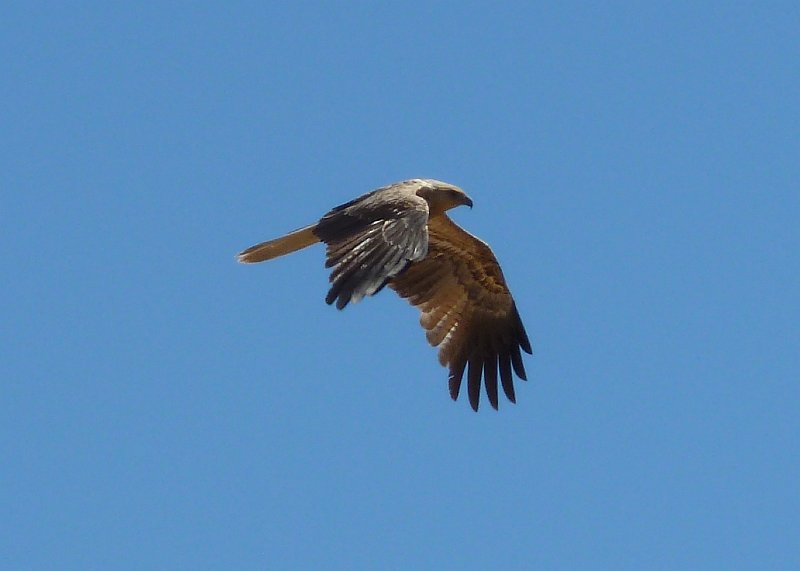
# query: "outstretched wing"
(467, 311)
(372, 239)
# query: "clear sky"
(635, 167)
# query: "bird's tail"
(292, 242)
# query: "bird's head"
(441, 196)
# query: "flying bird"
(400, 235)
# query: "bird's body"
(400, 235)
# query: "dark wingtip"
(474, 377)
(336, 295)
(490, 376)
(454, 386)
(454, 380)
(516, 362)
(522, 335)
(331, 297)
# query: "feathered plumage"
(400, 235)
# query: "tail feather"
(292, 242)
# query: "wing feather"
(490, 375)
(372, 239)
(467, 311)
(474, 378)
(504, 362)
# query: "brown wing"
(467, 311)
(372, 239)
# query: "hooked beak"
(467, 201)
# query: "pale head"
(441, 196)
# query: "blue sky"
(635, 169)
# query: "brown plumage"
(400, 235)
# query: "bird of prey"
(400, 235)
